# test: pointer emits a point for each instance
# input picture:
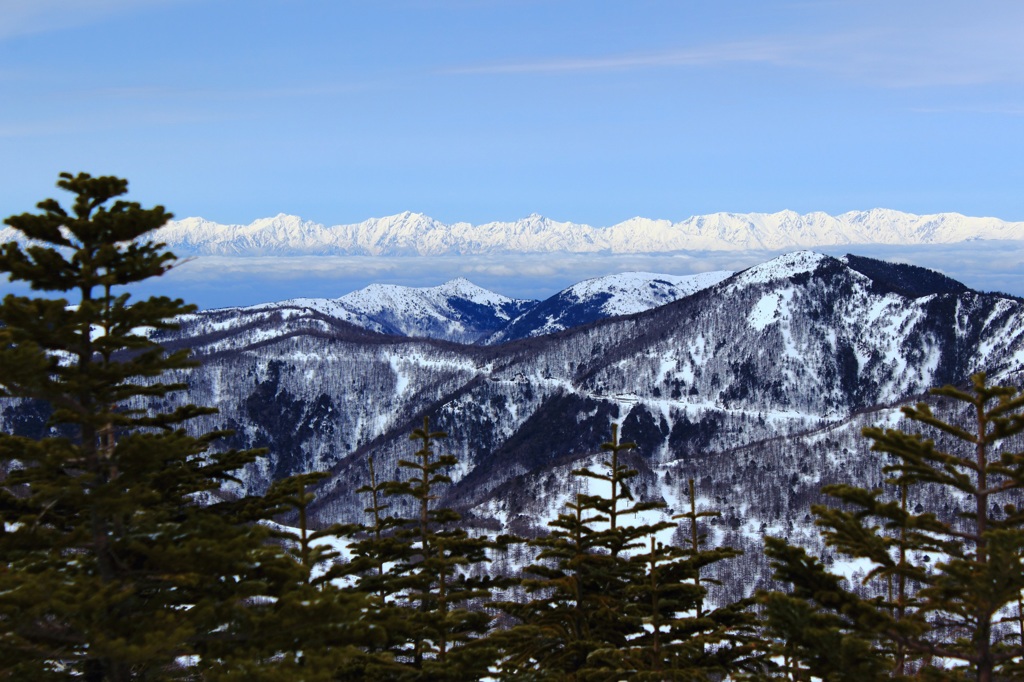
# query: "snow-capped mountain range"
(462, 312)
(408, 234)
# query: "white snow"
(770, 309)
(783, 267)
(416, 234)
(634, 292)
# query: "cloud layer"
(213, 282)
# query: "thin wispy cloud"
(765, 51)
(890, 57)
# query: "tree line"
(126, 557)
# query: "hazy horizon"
(219, 281)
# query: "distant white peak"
(635, 280)
(537, 223)
(783, 267)
(883, 213)
(409, 217)
(462, 288)
(633, 292)
(538, 218)
(376, 297)
(642, 222)
(284, 218)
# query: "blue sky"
(478, 110)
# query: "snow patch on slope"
(770, 309)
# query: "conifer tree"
(604, 609)
(577, 607)
(377, 550)
(684, 639)
(112, 568)
(425, 573)
(953, 616)
(307, 626)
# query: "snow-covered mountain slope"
(462, 312)
(457, 311)
(416, 234)
(601, 297)
(756, 387)
(799, 343)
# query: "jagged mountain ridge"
(408, 234)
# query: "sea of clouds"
(214, 282)
(219, 281)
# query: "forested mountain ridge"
(757, 386)
(797, 344)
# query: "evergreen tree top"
(102, 238)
